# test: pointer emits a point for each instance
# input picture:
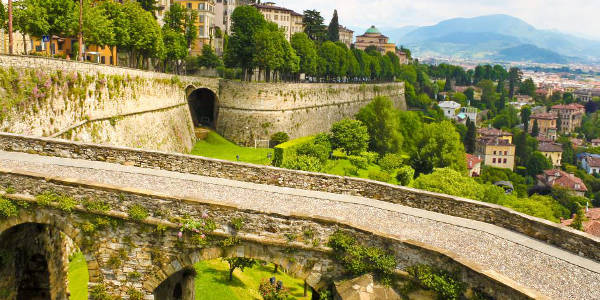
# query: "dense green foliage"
(381, 119)
(446, 285)
(358, 259)
(350, 135)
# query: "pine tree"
(470, 137)
(333, 32)
(535, 130)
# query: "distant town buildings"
(586, 95)
(346, 36)
(205, 22)
(556, 177)
(592, 225)
(496, 149)
(591, 163)
(474, 165)
(553, 152)
(546, 123)
(287, 19)
(468, 113)
(570, 116)
(450, 108)
(374, 37)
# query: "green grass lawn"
(211, 282)
(216, 146)
(336, 167)
(78, 277)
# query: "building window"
(494, 160)
(189, 5)
(201, 31)
(494, 152)
(276, 17)
(505, 152)
(505, 160)
(201, 19)
(201, 6)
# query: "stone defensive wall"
(297, 109)
(151, 249)
(98, 103)
(142, 109)
(561, 236)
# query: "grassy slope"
(211, 283)
(216, 146)
(78, 277)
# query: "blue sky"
(579, 17)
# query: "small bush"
(380, 176)
(64, 202)
(350, 135)
(304, 163)
(279, 138)
(443, 283)
(7, 208)
(98, 292)
(359, 161)
(287, 151)
(318, 151)
(96, 205)
(237, 223)
(350, 171)
(391, 162)
(358, 259)
(405, 175)
(271, 291)
(371, 157)
(138, 212)
(135, 294)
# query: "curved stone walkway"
(534, 264)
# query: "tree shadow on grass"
(222, 277)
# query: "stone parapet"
(561, 236)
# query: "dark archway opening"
(203, 107)
(28, 255)
(179, 286)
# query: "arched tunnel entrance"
(203, 107)
(32, 263)
(179, 286)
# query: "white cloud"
(571, 16)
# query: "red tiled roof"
(493, 132)
(563, 179)
(593, 213)
(576, 142)
(550, 147)
(592, 161)
(592, 227)
(544, 116)
(472, 161)
(494, 140)
(573, 106)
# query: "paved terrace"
(550, 270)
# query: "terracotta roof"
(494, 140)
(596, 141)
(592, 227)
(544, 116)
(493, 132)
(274, 7)
(572, 106)
(563, 179)
(543, 139)
(472, 161)
(576, 142)
(592, 161)
(593, 213)
(550, 147)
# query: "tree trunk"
(231, 274)
(305, 288)
(275, 269)
(24, 44)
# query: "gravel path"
(534, 264)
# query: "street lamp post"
(80, 34)
(10, 28)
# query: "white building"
(449, 108)
(591, 164)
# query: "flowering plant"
(198, 229)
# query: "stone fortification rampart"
(297, 109)
(558, 235)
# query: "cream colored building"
(374, 37)
(495, 148)
(287, 19)
(553, 152)
(205, 22)
(546, 124)
(18, 42)
(346, 36)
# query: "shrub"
(443, 283)
(358, 259)
(48, 198)
(237, 223)
(405, 175)
(96, 205)
(7, 208)
(279, 138)
(359, 161)
(380, 176)
(98, 292)
(318, 151)
(138, 212)
(271, 291)
(391, 162)
(350, 135)
(350, 171)
(135, 294)
(287, 150)
(371, 157)
(304, 163)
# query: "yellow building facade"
(496, 153)
(553, 152)
(63, 47)
(546, 124)
(205, 22)
(288, 20)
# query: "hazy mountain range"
(494, 37)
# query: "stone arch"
(296, 265)
(203, 106)
(54, 223)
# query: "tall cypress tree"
(470, 137)
(333, 32)
(535, 130)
